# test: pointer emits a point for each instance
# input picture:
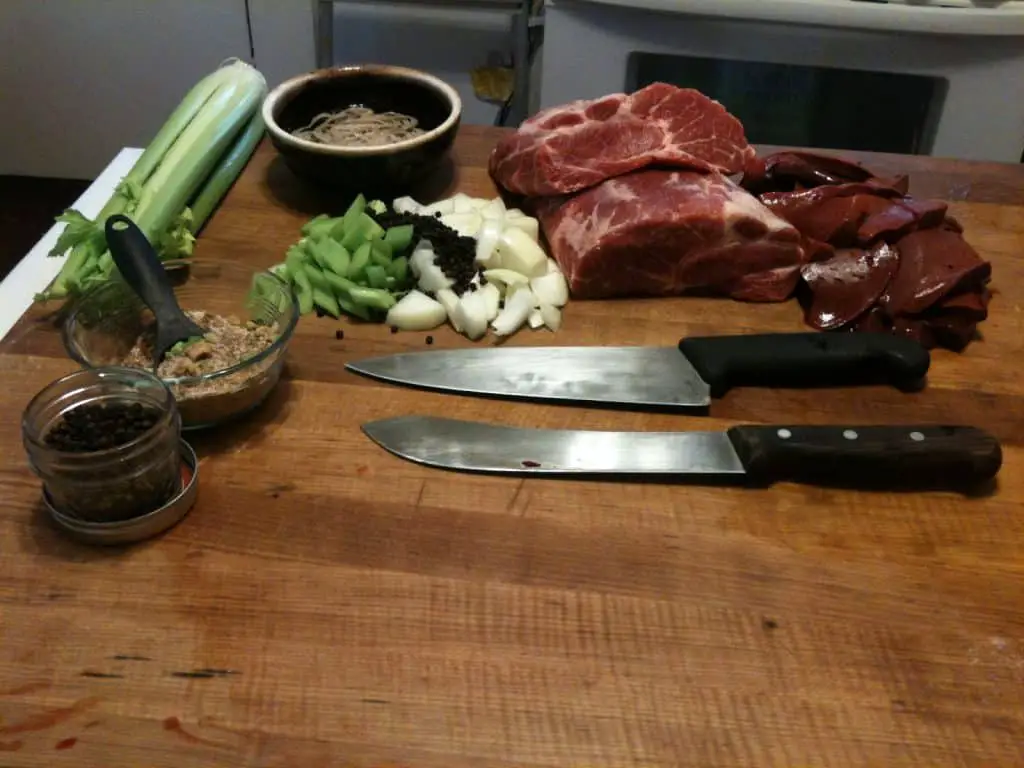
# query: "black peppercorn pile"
(97, 427)
(453, 253)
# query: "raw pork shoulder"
(658, 232)
(579, 145)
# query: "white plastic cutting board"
(980, 17)
(37, 270)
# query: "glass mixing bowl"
(106, 322)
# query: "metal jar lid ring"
(138, 528)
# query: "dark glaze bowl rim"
(283, 93)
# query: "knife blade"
(928, 456)
(687, 376)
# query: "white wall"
(81, 79)
(444, 41)
(283, 37)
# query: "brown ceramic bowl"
(384, 171)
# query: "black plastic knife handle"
(806, 360)
(947, 457)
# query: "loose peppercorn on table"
(327, 604)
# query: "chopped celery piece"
(322, 229)
(309, 226)
(340, 285)
(360, 260)
(371, 229)
(332, 256)
(354, 213)
(399, 269)
(316, 278)
(326, 301)
(313, 254)
(376, 276)
(373, 298)
(337, 231)
(303, 288)
(353, 308)
(380, 253)
(281, 270)
(294, 262)
(399, 238)
(355, 235)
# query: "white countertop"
(972, 17)
(37, 270)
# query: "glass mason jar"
(116, 483)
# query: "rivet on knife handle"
(806, 360)
(949, 457)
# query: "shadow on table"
(248, 430)
(312, 199)
(43, 537)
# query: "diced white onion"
(517, 288)
(447, 298)
(466, 224)
(406, 205)
(552, 316)
(430, 277)
(471, 314)
(444, 207)
(551, 289)
(521, 254)
(463, 203)
(487, 244)
(504, 278)
(528, 224)
(493, 297)
(494, 210)
(416, 312)
(516, 312)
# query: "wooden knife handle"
(806, 360)
(931, 456)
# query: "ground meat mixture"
(227, 342)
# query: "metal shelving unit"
(522, 14)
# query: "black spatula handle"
(948, 457)
(140, 266)
(806, 360)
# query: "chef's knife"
(660, 377)
(860, 457)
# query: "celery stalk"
(192, 105)
(189, 162)
(222, 107)
(227, 172)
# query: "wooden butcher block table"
(328, 604)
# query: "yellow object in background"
(493, 84)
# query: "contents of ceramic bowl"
(359, 126)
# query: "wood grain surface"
(327, 604)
